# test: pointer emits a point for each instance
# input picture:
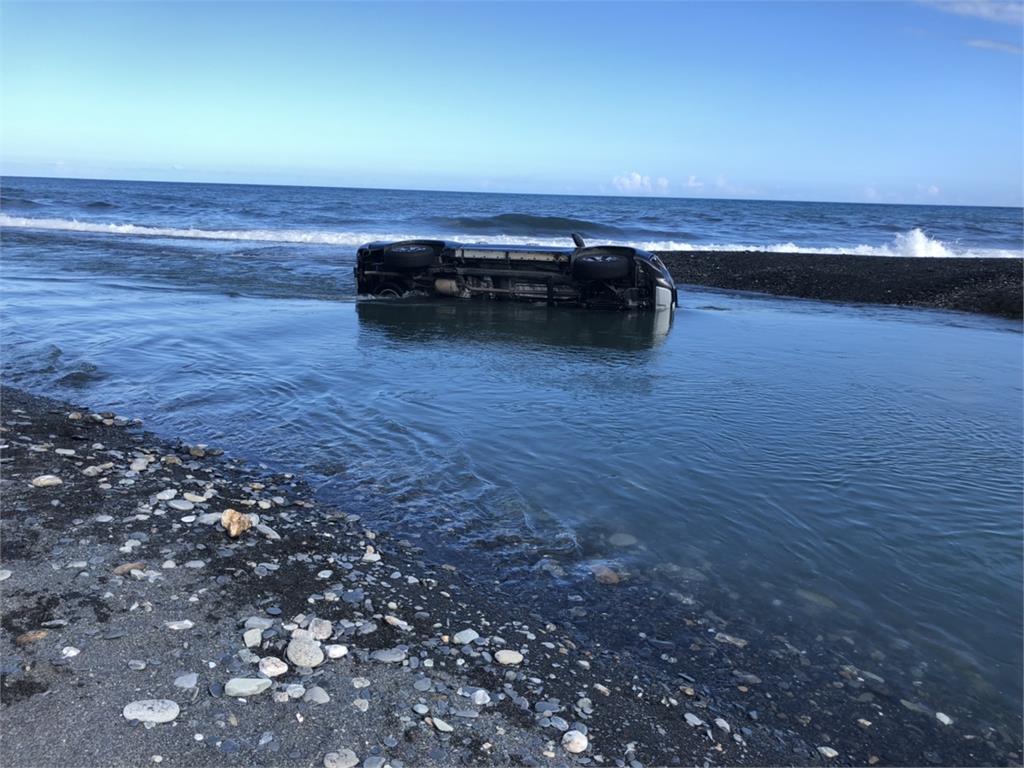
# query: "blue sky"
(870, 101)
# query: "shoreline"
(405, 692)
(988, 286)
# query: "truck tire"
(411, 256)
(601, 266)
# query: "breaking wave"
(914, 243)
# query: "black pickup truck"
(600, 277)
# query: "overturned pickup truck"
(603, 276)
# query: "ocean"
(349, 217)
(843, 481)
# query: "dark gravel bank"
(984, 286)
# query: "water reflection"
(506, 322)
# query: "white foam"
(913, 243)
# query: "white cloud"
(1001, 11)
(635, 183)
(694, 183)
(933, 190)
(994, 45)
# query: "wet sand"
(984, 286)
(120, 584)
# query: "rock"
(191, 680)
(442, 726)
(343, 758)
(722, 637)
(252, 637)
(622, 540)
(336, 651)
(371, 555)
(69, 652)
(480, 697)
(151, 710)
(46, 481)
(267, 531)
(4, 574)
(97, 469)
(828, 752)
(943, 718)
(258, 622)
(209, 518)
(316, 695)
(139, 465)
(124, 568)
(389, 655)
(360, 682)
(179, 625)
(692, 720)
(167, 495)
(722, 724)
(27, 638)
(361, 704)
(181, 505)
(271, 666)
(605, 575)
(235, 522)
(321, 629)
(195, 498)
(304, 653)
(465, 636)
(574, 742)
(241, 687)
(508, 658)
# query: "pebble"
(374, 761)
(508, 658)
(622, 540)
(943, 718)
(104, 518)
(187, 681)
(252, 637)
(136, 665)
(271, 666)
(361, 704)
(722, 724)
(574, 742)
(692, 720)
(321, 629)
(181, 505)
(69, 652)
(304, 653)
(166, 495)
(343, 758)
(360, 682)
(246, 686)
(828, 752)
(316, 695)
(336, 651)
(465, 636)
(389, 655)
(179, 625)
(151, 710)
(46, 481)
(5, 574)
(442, 726)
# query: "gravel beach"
(137, 629)
(984, 286)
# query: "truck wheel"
(601, 266)
(401, 257)
(389, 291)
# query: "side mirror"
(578, 240)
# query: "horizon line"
(522, 194)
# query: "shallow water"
(801, 466)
